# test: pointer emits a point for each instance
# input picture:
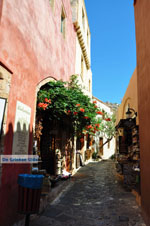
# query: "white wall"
(107, 151)
(87, 74)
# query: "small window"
(89, 85)
(63, 22)
(87, 38)
(2, 111)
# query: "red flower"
(107, 119)
(99, 112)
(94, 102)
(86, 117)
(89, 127)
(95, 129)
(40, 105)
(95, 106)
(45, 106)
(78, 105)
(68, 112)
(75, 113)
(82, 110)
(48, 100)
(82, 140)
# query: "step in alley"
(94, 197)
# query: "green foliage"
(109, 127)
(61, 100)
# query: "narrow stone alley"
(94, 197)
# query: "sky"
(113, 47)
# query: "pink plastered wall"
(33, 48)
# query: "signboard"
(21, 129)
(2, 111)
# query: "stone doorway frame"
(5, 82)
(39, 85)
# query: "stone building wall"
(130, 99)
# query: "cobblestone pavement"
(94, 198)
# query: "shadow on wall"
(10, 172)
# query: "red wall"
(142, 22)
(33, 48)
(1, 3)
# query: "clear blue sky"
(113, 47)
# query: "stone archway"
(127, 104)
(39, 85)
(40, 126)
(43, 82)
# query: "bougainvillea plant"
(62, 100)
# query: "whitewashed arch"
(39, 85)
(127, 104)
(43, 82)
